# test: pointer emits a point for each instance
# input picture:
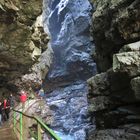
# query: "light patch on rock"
(135, 83)
(127, 62)
(131, 47)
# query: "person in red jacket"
(6, 107)
(23, 98)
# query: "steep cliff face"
(22, 40)
(114, 94)
(68, 22)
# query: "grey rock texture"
(114, 95)
(68, 23)
(131, 47)
(94, 82)
(129, 61)
(22, 39)
(111, 134)
(114, 101)
(115, 23)
(36, 76)
(68, 27)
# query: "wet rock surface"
(70, 41)
(68, 27)
(69, 106)
(114, 94)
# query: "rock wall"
(115, 23)
(114, 93)
(22, 40)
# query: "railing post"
(40, 125)
(24, 128)
(38, 131)
(28, 102)
(21, 127)
(14, 121)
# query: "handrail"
(39, 125)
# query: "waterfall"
(67, 22)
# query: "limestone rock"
(22, 39)
(127, 62)
(110, 110)
(98, 85)
(39, 37)
(113, 134)
(115, 29)
(98, 104)
(131, 47)
(115, 23)
(40, 69)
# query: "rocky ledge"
(114, 93)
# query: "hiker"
(41, 93)
(37, 88)
(0, 113)
(12, 100)
(23, 98)
(6, 106)
(31, 93)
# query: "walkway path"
(6, 133)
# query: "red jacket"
(23, 98)
(6, 104)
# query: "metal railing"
(19, 121)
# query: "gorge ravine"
(68, 23)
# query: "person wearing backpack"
(6, 106)
(11, 100)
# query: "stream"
(67, 22)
